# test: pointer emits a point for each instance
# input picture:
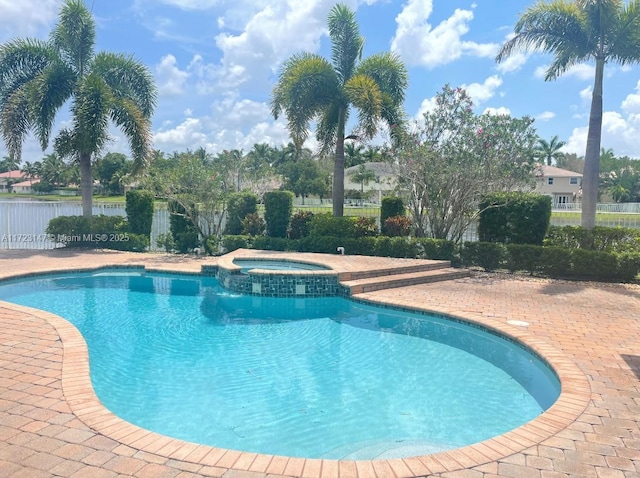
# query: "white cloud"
(581, 71)
(545, 116)
(27, 17)
(481, 92)
(513, 63)
(421, 44)
(170, 78)
(427, 105)
(586, 93)
(501, 111)
(631, 104)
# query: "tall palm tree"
(549, 151)
(573, 32)
(38, 77)
(363, 176)
(310, 87)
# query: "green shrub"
(322, 244)
(231, 243)
(488, 255)
(397, 226)
(555, 262)
(184, 233)
(240, 205)
(266, 243)
(139, 208)
(102, 232)
(391, 206)
(628, 266)
(300, 224)
(514, 218)
(364, 227)
(326, 225)
(165, 241)
(593, 265)
(253, 225)
(523, 257)
(278, 206)
(363, 246)
(435, 249)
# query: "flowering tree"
(454, 156)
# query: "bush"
(103, 232)
(231, 243)
(278, 206)
(326, 225)
(628, 265)
(435, 249)
(397, 226)
(322, 244)
(300, 224)
(139, 208)
(610, 239)
(593, 265)
(555, 262)
(523, 257)
(514, 218)
(391, 206)
(488, 255)
(364, 227)
(184, 233)
(253, 225)
(240, 206)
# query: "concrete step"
(423, 266)
(391, 281)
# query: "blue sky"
(216, 61)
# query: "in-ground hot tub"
(277, 277)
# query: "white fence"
(23, 223)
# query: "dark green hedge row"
(421, 248)
(98, 232)
(552, 261)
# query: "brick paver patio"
(51, 423)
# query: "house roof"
(26, 183)
(16, 174)
(558, 172)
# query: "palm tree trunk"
(86, 184)
(338, 167)
(591, 177)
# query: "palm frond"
(559, 28)
(346, 41)
(91, 109)
(624, 39)
(128, 79)
(75, 35)
(21, 61)
(47, 93)
(365, 95)
(64, 145)
(307, 84)
(15, 121)
(136, 126)
(327, 127)
(389, 72)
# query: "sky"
(215, 63)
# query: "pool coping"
(79, 394)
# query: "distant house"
(24, 187)
(564, 187)
(384, 183)
(9, 178)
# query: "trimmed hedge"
(618, 239)
(96, 232)
(139, 208)
(514, 217)
(391, 206)
(278, 206)
(240, 205)
(185, 235)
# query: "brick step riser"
(392, 284)
(398, 270)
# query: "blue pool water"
(316, 377)
(248, 264)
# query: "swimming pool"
(321, 377)
(276, 265)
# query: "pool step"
(421, 266)
(390, 281)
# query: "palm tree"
(575, 32)
(310, 87)
(38, 77)
(31, 170)
(353, 154)
(549, 151)
(363, 176)
(9, 163)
